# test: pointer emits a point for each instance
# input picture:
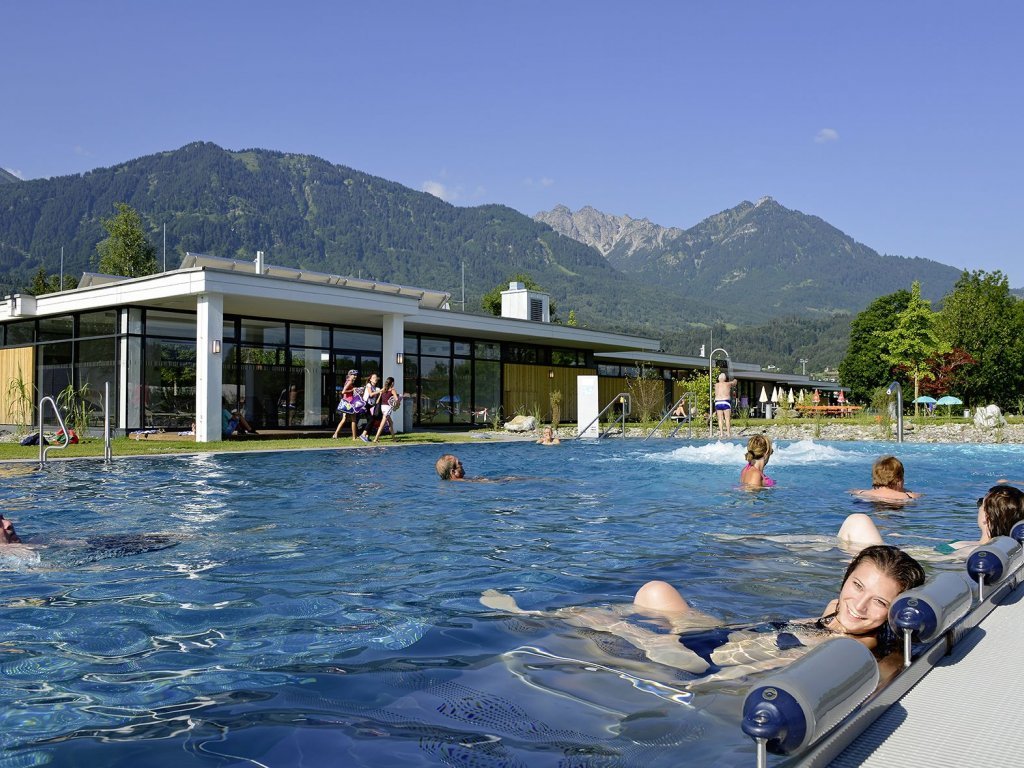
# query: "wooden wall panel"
(527, 388)
(15, 362)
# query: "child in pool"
(759, 450)
(887, 483)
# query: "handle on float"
(989, 563)
(928, 611)
(793, 708)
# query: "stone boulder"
(521, 424)
(989, 417)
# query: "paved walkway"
(969, 710)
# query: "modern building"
(177, 347)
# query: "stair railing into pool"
(43, 447)
(626, 401)
(688, 397)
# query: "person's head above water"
(7, 533)
(449, 467)
(873, 580)
(758, 447)
(887, 472)
(999, 509)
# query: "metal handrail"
(43, 449)
(668, 414)
(898, 390)
(626, 400)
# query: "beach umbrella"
(949, 401)
(841, 398)
(791, 398)
(816, 397)
(764, 395)
(925, 399)
(775, 394)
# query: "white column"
(209, 366)
(312, 382)
(393, 338)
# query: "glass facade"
(280, 374)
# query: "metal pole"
(107, 454)
(61, 286)
(898, 390)
(165, 247)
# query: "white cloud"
(15, 172)
(437, 189)
(826, 135)
(83, 152)
(543, 181)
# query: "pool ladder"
(44, 449)
(626, 401)
(690, 399)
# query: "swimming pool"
(322, 607)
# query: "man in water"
(450, 468)
(7, 533)
(723, 404)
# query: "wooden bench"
(829, 410)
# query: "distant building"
(276, 342)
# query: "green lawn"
(123, 446)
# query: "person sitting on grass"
(233, 422)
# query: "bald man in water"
(7, 534)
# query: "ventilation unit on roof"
(523, 304)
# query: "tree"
(984, 319)
(491, 301)
(126, 251)
(913, 342)
(864, 369)
(43, 283)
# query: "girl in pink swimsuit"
(759, 450)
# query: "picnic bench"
(828, 410)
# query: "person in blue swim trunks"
(723, 404)
(998, 511)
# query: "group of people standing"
(370, 401)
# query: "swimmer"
(450, 468)
(698, 643)
(887, 483)
(548, 437)
(998, 510)
(759, 450)
(7, 532)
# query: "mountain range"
(775, 282)
(780, 261)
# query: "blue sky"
(898, 122)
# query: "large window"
(169, 374)
(454, 381)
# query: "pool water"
(322, 607)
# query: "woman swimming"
(759, 450)
(696, 642)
